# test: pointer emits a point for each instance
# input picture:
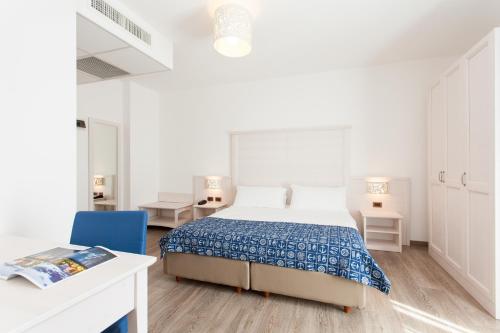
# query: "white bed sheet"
(340, 218)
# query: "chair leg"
(347, 309)
(177, 279)
(238, 290)
(266, 294)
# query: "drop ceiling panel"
(93, 39)
(82, 77)
(81, 53)
(132, 61)
(96, 67)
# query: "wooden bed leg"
(238, 290)
(266, 294)
(347, 309)
(177, 279)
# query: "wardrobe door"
(480, 231)
(454, 177)
(437, 126)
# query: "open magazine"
(49, 267)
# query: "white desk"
(109, 204)
(168, 221)
(87, 302)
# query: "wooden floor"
(424, 298)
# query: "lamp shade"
(377, 187)
(233, 31)
(213, 183)
(99, 180)
(99, 183)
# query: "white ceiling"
(304, 36)
(93, 40)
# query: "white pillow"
(256, 196)
(318, 198)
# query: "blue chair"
(120, 231)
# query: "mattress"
(321, 217)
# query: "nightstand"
(382, 230)
(209, 208)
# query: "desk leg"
(138, 318)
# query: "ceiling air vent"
(117, 17)
(99, 68)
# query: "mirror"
(103, 165)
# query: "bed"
(315, 157)
(260, 249)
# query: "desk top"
(381, 214)
(212, 205)
(166, 205)
(23, 305)
(110, 202)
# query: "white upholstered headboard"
(312, 156)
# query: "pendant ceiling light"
(233, 31)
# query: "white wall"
(386, 107)
(38, 108)
(135, 109)
(144, 145)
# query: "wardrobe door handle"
(463, 179)
(439, 176)
(443, 177)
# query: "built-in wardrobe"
(464, 235)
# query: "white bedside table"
(389, 234)
(209, 208)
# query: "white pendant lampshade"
(233, 31)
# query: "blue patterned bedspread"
(333, 250)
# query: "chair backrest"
(120, 231)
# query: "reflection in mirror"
(103, 151)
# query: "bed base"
(313, 286)
(268, 279)
(232, 273)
